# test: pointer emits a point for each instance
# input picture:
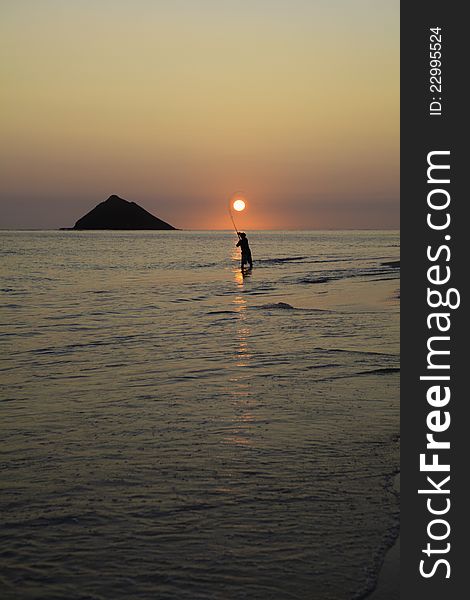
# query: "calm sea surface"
(172, 430)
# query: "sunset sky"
(175, 104)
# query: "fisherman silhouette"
(245, 248)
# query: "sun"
(239, 205)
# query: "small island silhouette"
(117, 213)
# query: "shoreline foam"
(388, 580)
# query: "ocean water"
(173, 430)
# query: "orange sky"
(177, 104)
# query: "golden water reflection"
(243, 421)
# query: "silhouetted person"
(245, 248)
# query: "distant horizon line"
(13, 229)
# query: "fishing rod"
(231, 217)
(236, 201)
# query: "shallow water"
(173, 430)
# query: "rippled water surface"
(173, 430)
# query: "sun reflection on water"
(242, 423)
